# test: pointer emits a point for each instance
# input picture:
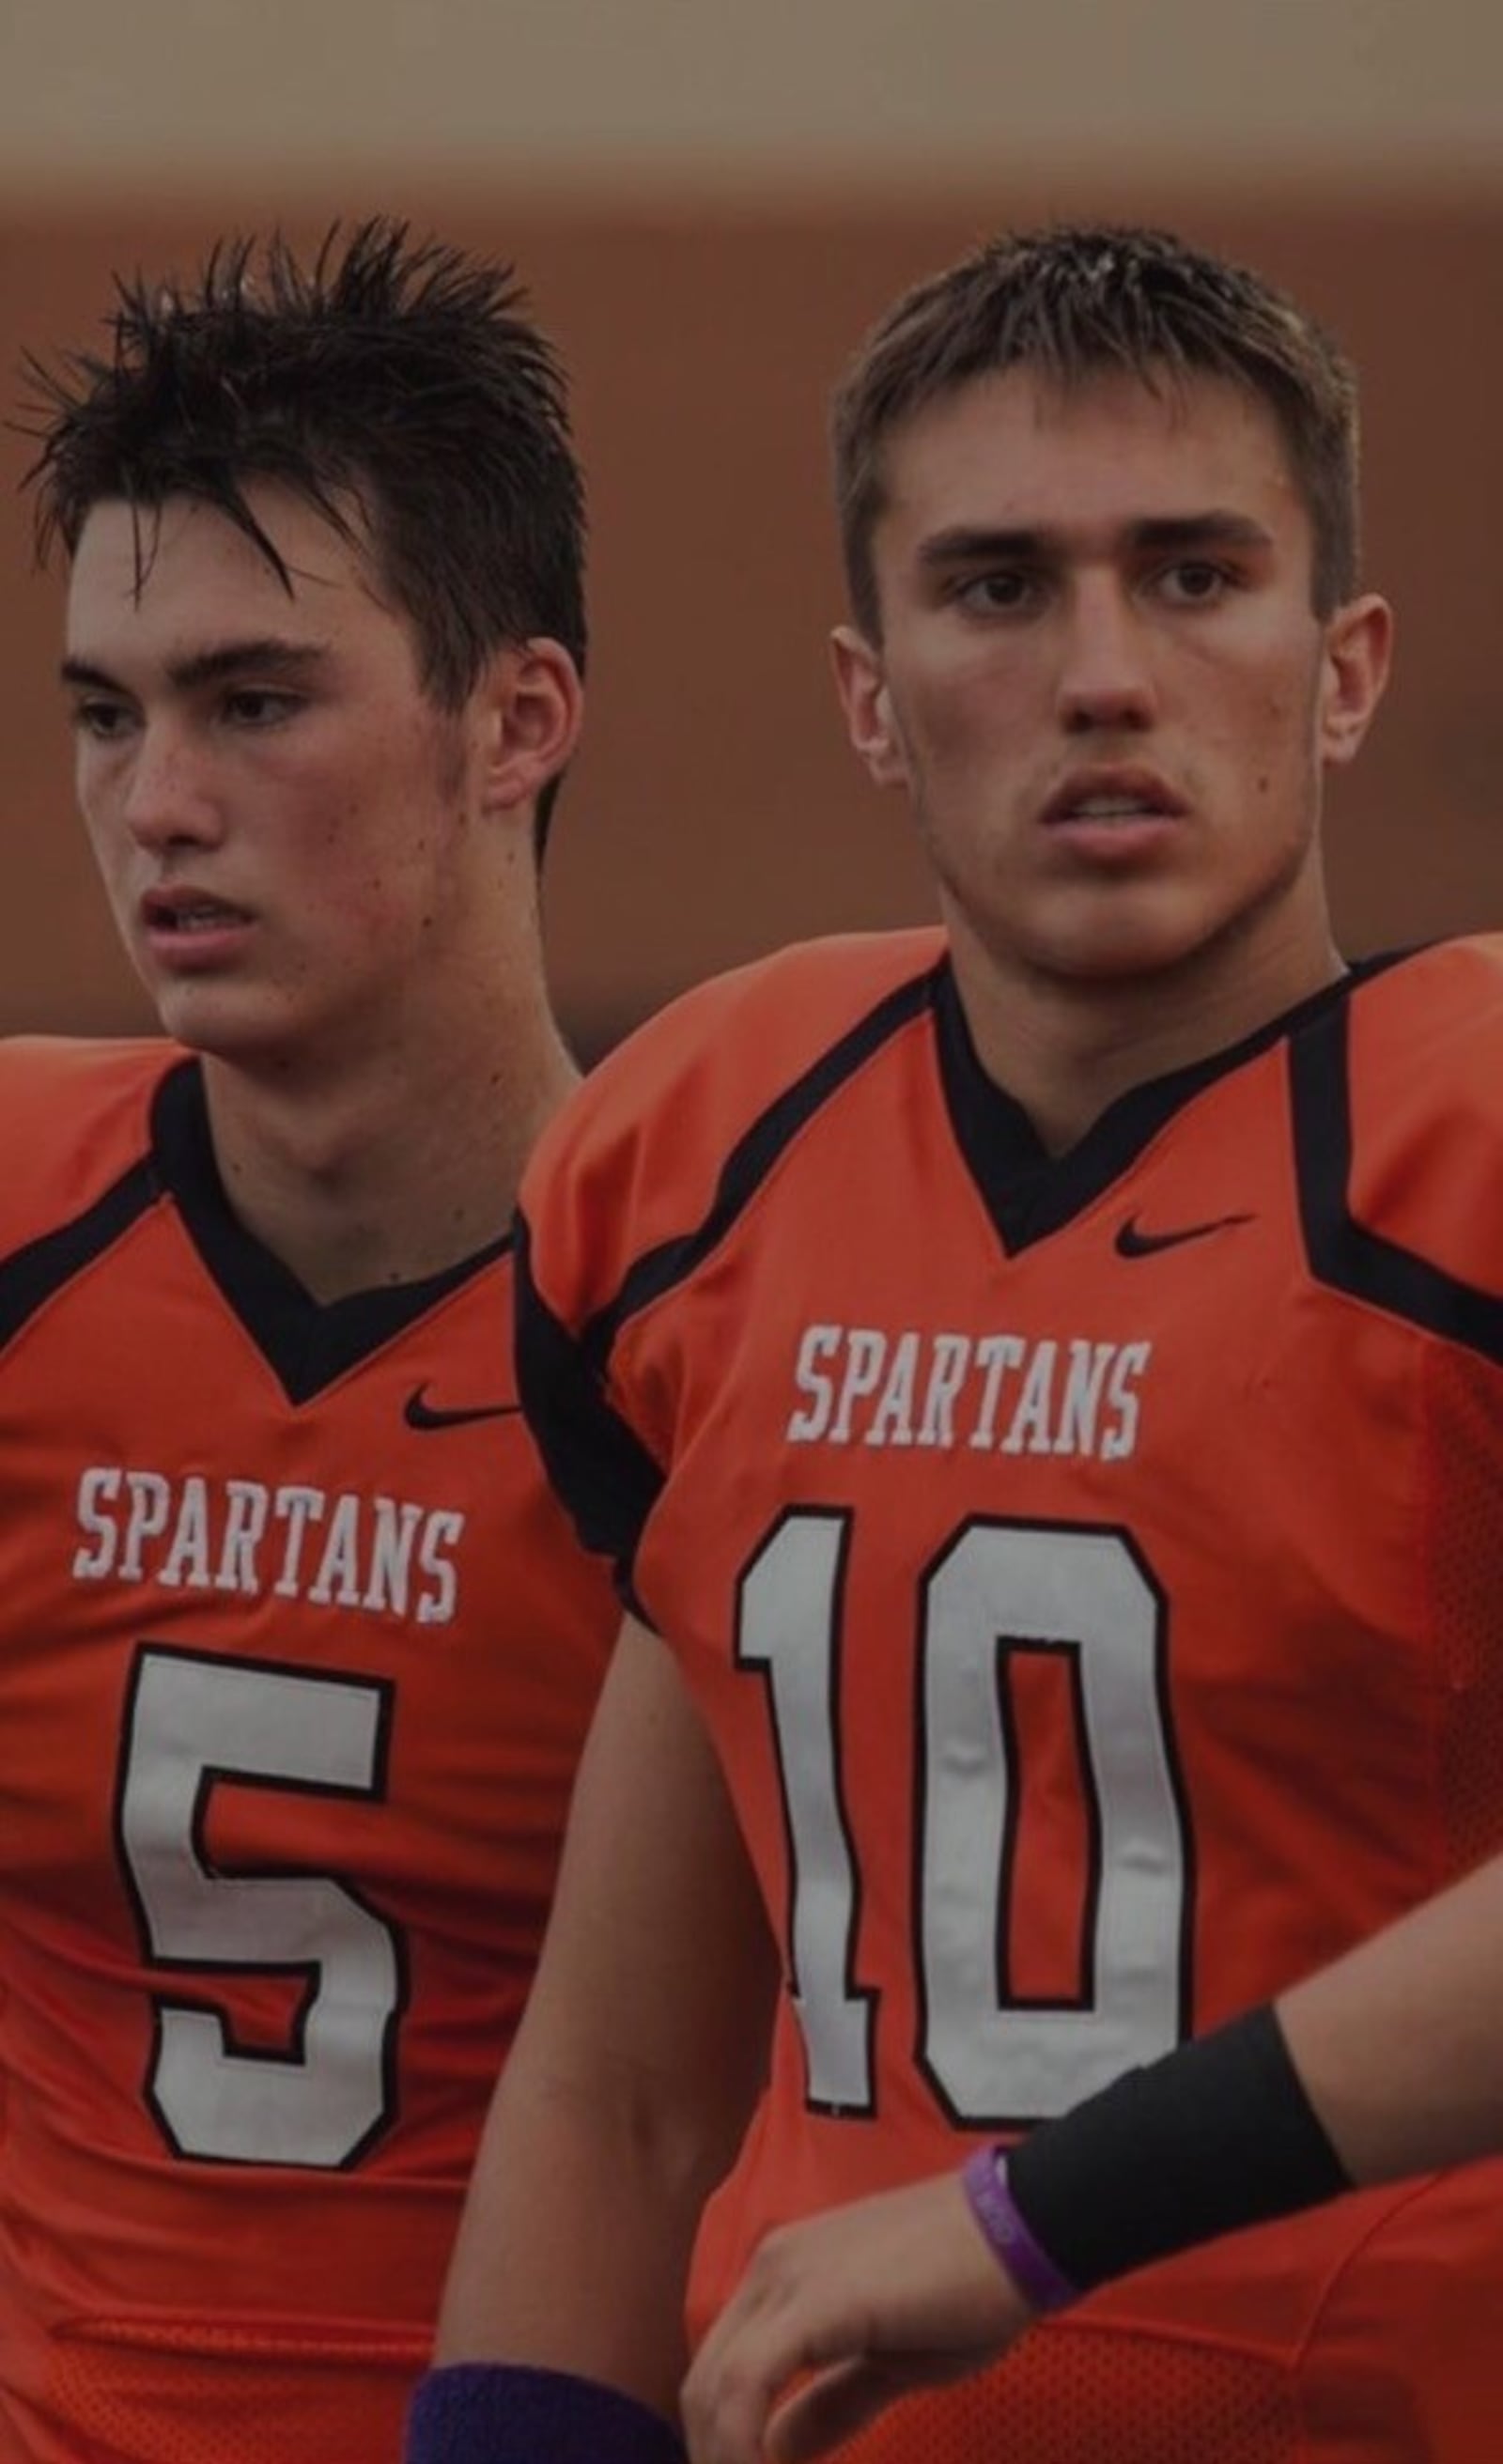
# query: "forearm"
(575, 2243)
(636, 2066)
(1400, 2044)
(1388, 2063)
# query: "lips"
(1104, 795)
(187, 910)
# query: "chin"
(1127, 938)
(226, 1025)
(1118, 956)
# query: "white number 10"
(995, 1590)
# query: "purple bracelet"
(1007, 2234)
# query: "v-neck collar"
(307, 1343)
(1028, 1193)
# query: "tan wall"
(716, 810)
(743, 94)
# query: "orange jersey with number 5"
(296, 1653)
(1088, 1570)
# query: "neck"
(1066, 1048)
(392, 1168)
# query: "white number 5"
(193, 1722)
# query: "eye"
(1196, 583)
(258, 706)
(1006, 591)
(105, 721)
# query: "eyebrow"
(969, 543)
(268, 655)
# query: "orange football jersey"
(1088, 1570)
(298, 1654)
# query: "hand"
(878, 2298)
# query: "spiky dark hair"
(394, 384)
(1076, 300)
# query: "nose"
(168, 797)
(1106, 677)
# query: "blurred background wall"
(710, 202)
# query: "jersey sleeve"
(1411, 1165)
(79, 1111)
(607, 1478)
(631, 1185)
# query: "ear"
(1359, 650)
(529, 708)
(861, 682)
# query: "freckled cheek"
(100, 831)
(98, 799)
(344, 842)
(110, 847)
(975, 724)
(1260, 733)
(383, 897)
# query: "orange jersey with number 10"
(296, 1653)
(1090, 1571)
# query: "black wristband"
(1218, 2135)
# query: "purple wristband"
(1007, 2234)
(497, 2413)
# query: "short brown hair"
(1074, 303)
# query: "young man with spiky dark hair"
(1041, 1383)
(297, 1650)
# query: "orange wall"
(716, 810)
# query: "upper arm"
(636, 2066)
(654, 2000)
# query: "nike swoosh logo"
(1131, 1242)
(419, 1413)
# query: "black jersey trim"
(751, 1159)
(1030, 1193)
(30, 1276)
(599, 1466)
(1342, 1252)
(607, 1479)
(306, 1343)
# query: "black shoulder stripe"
(597, 1465)
(1342, 1252)
(753, 1157)
(32, 1274)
